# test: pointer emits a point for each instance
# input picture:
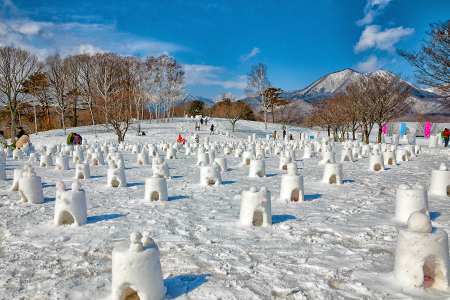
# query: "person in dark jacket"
(212, 129)
(446, 136)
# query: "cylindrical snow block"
(346, 155)
(202, 159)
(433, 143)
(332, 173)
(308, 152)
(421, 257)
(2, 171)
(137, 267)
(210, 175)
(389, 158)
(82, 171)
(70, 206)
(34, 157)
(46, 161)
(292, 185)
(30, 188)
(284, 161)
(365, 150)
(401, 155)
(440, 182)
(62, 163)
(410, 199)
(171, 153)
(78, 155)
(222, 162)
(247, 156)
(17, 154)
(156, 189)
(376, 162)
(116, 178)
(257, 168)
(256, 208)
(142, 158)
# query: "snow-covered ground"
(337, 244)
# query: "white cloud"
(371, 64)
(207, 75)
(246, 57)
(71, 38)
(371, 10)
(382, 40)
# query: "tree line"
(116, 90)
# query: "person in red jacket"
(446, 136)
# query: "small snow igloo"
(82, 170)
(17, 154)
(97, 158)
(116, 177)
(256, 208)
(171, 153)
(161, 169)
(401, 155)
(222, 162)
(410, 199)
(202, 159)
(247, 156)
(421, 254)
(62, 163)
(142, 158)
(257, 168)
(292, 185)
(376, 162)
(332, 173)
(136, 270)
(346, 155)
(210, 175)
(78, 155)
(156, 189)
(440, 181)
(284, 161)
(30, 187)
(46, 161)
(389, 158)
(70, 206)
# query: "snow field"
(337, 244)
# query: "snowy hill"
(337, 244)
(425, 99)
(190, 97)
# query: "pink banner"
(427, 129)
(384, 129)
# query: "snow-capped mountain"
(426, 100)
(190, 97)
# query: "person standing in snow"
(212, 129)
(446, 136)
(2, 139)
(201, 121)
(23, 139)
(275, 135)
(206, 121)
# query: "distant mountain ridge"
(425, 100)
(190, 98)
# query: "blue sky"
(217, 41)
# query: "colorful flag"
(427, 129)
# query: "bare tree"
(58, 77)
(274, 98)
(105, 80)
(230, 109)
(389, 95)
(122, 103)
(37, 87)
(433, 59)
(85, 82)
(257, 84)
(16, 65)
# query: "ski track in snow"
(337, 244)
